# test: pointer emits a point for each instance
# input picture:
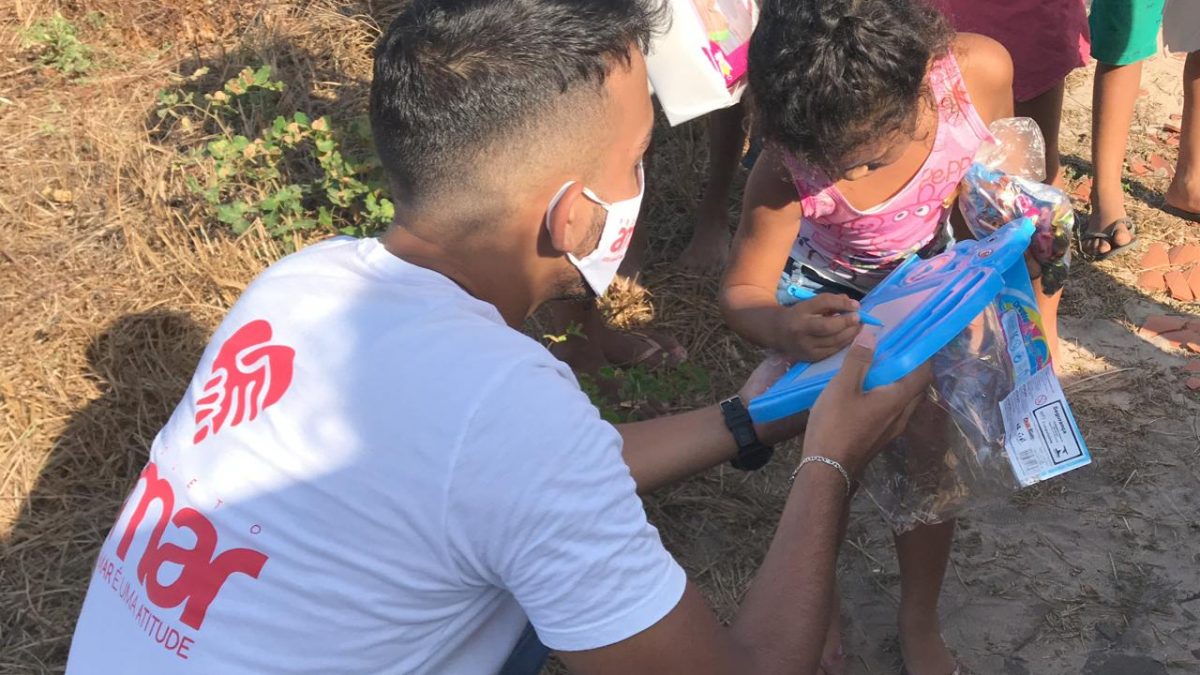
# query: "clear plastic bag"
(995, 420)
(1004, 184)
(952, 454)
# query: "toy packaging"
(1004, 183)
(996, 419)
(699, 64)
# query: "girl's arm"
(988, 73)
(808, 331)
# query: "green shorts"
(1125, 31)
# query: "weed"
(641, 392)
(294, 174)
(57, 40)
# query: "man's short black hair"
(454, 77)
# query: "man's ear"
(569, 220)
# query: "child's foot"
(709, 247)
(923, 649)
(1108, 220)
(1184, 194)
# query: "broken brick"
(1179, 337)
(1083, 190)
(1171, 128)
(1193, 279)
(1178, 286)
(1193, 383)
(1173, 142)
(1152, 280)
(1192, 366)
(1138, 168)
(1184, 254)
(1156, 256)
(1157, 324)
(1161, 165)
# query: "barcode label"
(1041, 436)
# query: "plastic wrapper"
(951, 456)
(995, 420)
(698, 64)
(1004, 184)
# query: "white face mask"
(599, 267)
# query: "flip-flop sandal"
(655, 354)
(1180, 213)
(1108, 235)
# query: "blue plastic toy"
(922, 305)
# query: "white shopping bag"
(699, 64)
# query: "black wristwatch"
(752, 454)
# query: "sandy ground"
(110, 282)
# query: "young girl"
(872, 111)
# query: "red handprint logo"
(248, 376)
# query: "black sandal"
(1108, 235)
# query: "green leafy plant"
(294, 174)
(641, 392)
(57, 40)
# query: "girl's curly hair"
(829, 76)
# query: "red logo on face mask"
(248, 376)
(202, 574)
(622, 242)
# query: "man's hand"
(815, 329)
(766, 374)
(850, 426)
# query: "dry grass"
(110, 282)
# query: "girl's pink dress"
(1046, 38)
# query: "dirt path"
(110, 280)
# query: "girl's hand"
(818, 328)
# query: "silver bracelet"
(828, 462)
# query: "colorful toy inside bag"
(995, 420)
(1004, 184)
(728, 25)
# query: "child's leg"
(923, 554)
(1113, 100)
(710, 242)
(1184, 192)
(1046, 110)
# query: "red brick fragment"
(1180, 338)
(1083, 190)
(1152, 280)
(1138, 168)
(1156, 256)
(1178, 286)
(1173, 142)
(1193, 279)
(1193, 383)
(1192, 366)
(1184, 254)
(1160, 165)
(1171, 128)
(1157, 324)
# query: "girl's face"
(888, 150)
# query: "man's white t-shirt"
(372, 473)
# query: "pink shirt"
(860, 248)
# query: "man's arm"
(782, 623)
(669, 449)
